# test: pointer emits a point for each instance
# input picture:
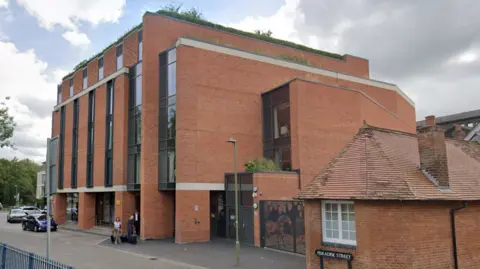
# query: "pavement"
(88, 251)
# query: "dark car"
(15, 215)
(38, 223)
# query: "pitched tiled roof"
(384, 164)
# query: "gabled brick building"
(142, 126)
(396, 200)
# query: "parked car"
(32, 210)
(15, 215)
(37, 223)
(1, 206)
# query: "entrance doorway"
(104, 208)
(218, 216)
(245, 207)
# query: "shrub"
(262, 164)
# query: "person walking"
(117, 228)
(137, 223)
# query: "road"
(83, 251)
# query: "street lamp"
(237, 243)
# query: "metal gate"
(283, 225)
(245, 208)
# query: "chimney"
(433, 153)
(430, 120)
(459, 133)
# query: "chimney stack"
(459, 133)
(433, 152)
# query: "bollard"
(4, 256)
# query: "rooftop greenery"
(194, 16)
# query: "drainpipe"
(454, 236)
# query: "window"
(140, 45)
(59, 94)
(61, 149)
(109, 135)
(90, 138)
(100, 68)
(281, 120)
(71, 87)
(135, 127)
(85, 78)
(167, 124)
(119, 56)
(74, 144)
(338, 222)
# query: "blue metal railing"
(14, 258)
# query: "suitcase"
(132, 239)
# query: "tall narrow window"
(135, 127)
(61, 149)
(140, 45)
(167, 124)
(74, 144)
(59, 94)
(119, 56)
(100, 68)
(71, 87)
(109, 136)
(90, 138)
(85, 78)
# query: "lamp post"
(237, 243)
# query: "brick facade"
(404, 235)
(86, 210)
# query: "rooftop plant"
(195, 16)
(262, 164)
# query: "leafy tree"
(263, 33)
(18, 174)
(192, 13)
(7, 125)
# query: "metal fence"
(14, 258)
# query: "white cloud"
(33, 127)
(72, 13)
(77, 39)
(3, 3)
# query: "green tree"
(18, 174)
(7, 125)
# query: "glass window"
(59, 94)
(109, 171)
(138, 90)
(281, 120)
(119, 57)
(338, 223)
(71, 87)
(85, 78)
(172, 111)
(140, 44)
(283, 158)
(138, 129)
(110, 135)
(172, 79)
(110, 98)
(92, 106)
(171, 165)
(137, 169)
(100, 68)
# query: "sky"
(429, 48)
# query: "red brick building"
(143, 126)
(392, 199)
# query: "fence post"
(4, 256)
(30, 260)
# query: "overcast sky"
(429, 48)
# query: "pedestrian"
(137, 222)
(131, 233)
(117, 228)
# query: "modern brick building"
(143, 125)
(393, 199)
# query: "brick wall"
(124, 207)
(325, 118)
(99, 136)
(272, 186)
(60, 208)
(404, 235)
(86, 210)
(120, 130)
(67, 150)
(191, 225)
(82, 142)
(92, 72)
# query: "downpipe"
(454, 234)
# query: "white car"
(31, 210)
(15, 215)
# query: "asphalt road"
(83, 251)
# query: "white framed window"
(338, 222)
(100, 68)
(119, 56)
(71, 87)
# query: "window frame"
(85, 78)
(71, 89)
(339, 240)
(119, 55)
(100, 68)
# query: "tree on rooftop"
(263, 33)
